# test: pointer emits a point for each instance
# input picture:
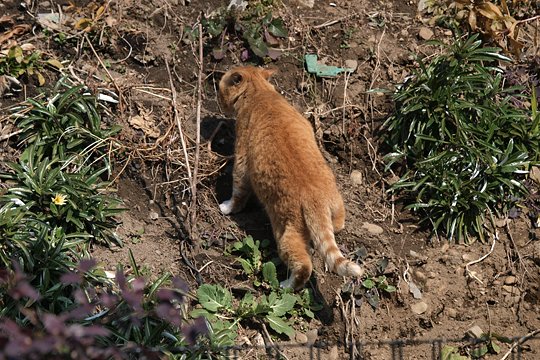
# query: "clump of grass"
(462, 142)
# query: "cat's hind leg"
(293, 250)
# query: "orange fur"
(277, 158)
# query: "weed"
(463, 143)
(18, 62)
(371, 287)
(256, 28)
(276, 307)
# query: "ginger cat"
(277, 158)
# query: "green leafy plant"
(67, 127)
(255, 28)
(217, 304)
(276, 307)
(19, 62)
(251, 257)
(371, 287)
(461, 140)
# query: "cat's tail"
(318, 220)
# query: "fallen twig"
(519, 342)
(193, 209)
(120, 96)
(471, 273)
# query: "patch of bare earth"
(148, 62)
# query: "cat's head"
(238, 80)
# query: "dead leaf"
(472, 20)
(489, 10)
(16, 30)
(41, 79)
(57, 64)
(146, 123)
(535, 174)
(6, 20)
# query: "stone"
(372, 228)
(468, 257)
(351, 64)
(511, 289)
(452, 313)
(334, 353)
(357, 178)
(153, 215)
(510, 280)
(425, 33)
(445, 247)
(301, 338)
(419, 308)
(475, 332)
(306, 3)
(312, 336)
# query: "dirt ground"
(144, 51)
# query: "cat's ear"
(234, 79)
(266, 73)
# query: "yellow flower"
(59, 199)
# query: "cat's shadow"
(253, 219)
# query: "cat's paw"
(226, 207)
(286, 284)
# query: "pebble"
(333, 354)
(445, 247)
(301, 338)
(425, 33)
(419, 307)
(452, 313)
(351, 64)
(312, 336)
(153, 215)
(372, 228)
(468, 257)
(511, 289)
(258, 340)
(475, 332)
(420, 276)
(510, 280)
(357, 178)
(158, 252)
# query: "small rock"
(420, 276)
(510, 280)
(468, 257)
(301, 338)
(425, 33)
(445, 247)
(527, 306)
(333, 354)
(419, 308)
(417, 294)
(351, 64)
(258, 340)
(417, 255)
(357, 178)
(312, 336)
(153, 215)
(448, 33)
(511, 289)
(452, 313)
(158, 252)
(372, 228)
(475, 332)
